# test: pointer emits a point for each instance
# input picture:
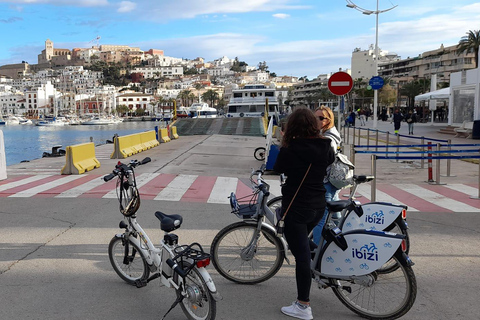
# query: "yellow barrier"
(164, 135)
(80, 158)
(126, 146)
(174, 132)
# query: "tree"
(410, 90)
(387, 95)
(211, 96)
(470, 42)
(262, 66)
(122, 109)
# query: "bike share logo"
(375, 218)
(366, 252)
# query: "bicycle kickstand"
(179, 299)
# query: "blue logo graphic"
(366, 252)
(338, 269)
(364, 266)
(392, 212)
(351, 269)
(330, 259)
(348, 261)
(375, 218)
(387, 245)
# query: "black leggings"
(298, 224)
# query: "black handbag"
(281, 223)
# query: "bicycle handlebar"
(121, 167)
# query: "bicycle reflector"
(203, 263)
(404, 245)
(404, 214)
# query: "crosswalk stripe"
(43, 187)
(438, 199)
(177, 188)
(365, 190)
(81, 189)
(22, 182)
(222, 189)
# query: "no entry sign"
(340, 83)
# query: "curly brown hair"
(302, 123)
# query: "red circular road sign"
(340, 83)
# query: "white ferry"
(251, 100)
(202, 110)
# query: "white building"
(136, 101)
(157, 72)
(363, 63)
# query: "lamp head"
(351, 6)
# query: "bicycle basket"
(132, 207)
(244, 207)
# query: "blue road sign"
(376, 82)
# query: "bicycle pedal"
(141, 283)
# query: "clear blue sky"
(294, 37)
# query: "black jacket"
(293, 162)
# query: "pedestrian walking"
(411, 118)
(304, 157)
(397, 120)
(361, 114)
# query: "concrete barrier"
(174, 132)
(125, 146)
(3, 158)
(80, 158)
(164, 135)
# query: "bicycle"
(382, 216)
(134, 256)
(348, 262)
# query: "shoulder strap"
(283, 218)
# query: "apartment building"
(363, 62)
(442, 62)
(157, 72)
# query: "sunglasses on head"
(322, 118)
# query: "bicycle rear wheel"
(241, 258)
(199, 303)
(259, 153)
(128, 262)
(380, 296)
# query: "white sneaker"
(297, 312)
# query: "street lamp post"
(352, 5)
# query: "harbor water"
(29, 142)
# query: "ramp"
(226, 126)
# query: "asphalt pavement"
(54, 262)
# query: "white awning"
(437, 94)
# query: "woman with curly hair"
(304, 156)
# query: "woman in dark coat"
(304, 154)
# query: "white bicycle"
(134, 257)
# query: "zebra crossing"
(209, 189)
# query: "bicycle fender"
(282, 240)
(376, 216)
(211, 286)
(367, 251)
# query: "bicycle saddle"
(338, 205)
(169, 222)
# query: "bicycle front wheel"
(198, 304)
(127, 260)
(243, 255)
(380, 296)
(259, 153)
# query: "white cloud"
(281, 15)
(126, 6)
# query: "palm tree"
(470, 42)
(211, 96)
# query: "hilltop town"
(129, 81)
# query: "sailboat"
(55, 122)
